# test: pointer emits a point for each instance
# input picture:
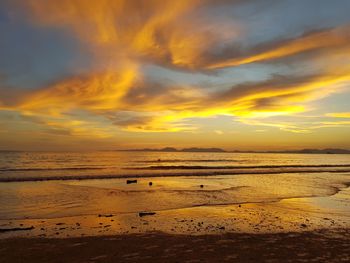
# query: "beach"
(256, 216)
(318, 246)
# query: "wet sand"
(315, 246)
(285, 231)
(292, 215)
(304, 219)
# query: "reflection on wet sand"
(246, 218)
(247, 203)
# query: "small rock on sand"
(141, 214)
(131, 181)
(110, 215)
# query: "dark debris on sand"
(3, 230)
(142, 214)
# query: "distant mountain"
(194, 149)
(171, 149)
(166, 149)
(219, 150)
(325, 151)
(305, 151)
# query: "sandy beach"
(256, 217)
(292, 230)
(316, 246)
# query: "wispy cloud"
(338, 114)
(323, 40)
(153, 107)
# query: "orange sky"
(106, 74)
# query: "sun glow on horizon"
(222, 79)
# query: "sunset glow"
(119, 74)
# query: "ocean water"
(32, 166)
(60, 184)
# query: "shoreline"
(177, 207)
(299, 229)
(287, 215)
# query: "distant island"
(171, 149)
(308, 151)
(219, 150)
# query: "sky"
(121, 74)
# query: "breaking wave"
(179, 172)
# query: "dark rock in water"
(303, 225)
(131, 181)
(2, 230)
(201, 186)
(150, 183)
(222, 228)
(59, 224)
(141, 214)
(239, 206)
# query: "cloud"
(137, 105)
(124, 35)
(338, 114)
(178, 34)
(324, 40)
(94, 92)
(174, 33)
(143, 122)
(219, 132)
(280, 95)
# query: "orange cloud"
(95, 92)
(123, 35)
(334, 38)
(162, 31)
(136, 105)
(339, 114)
